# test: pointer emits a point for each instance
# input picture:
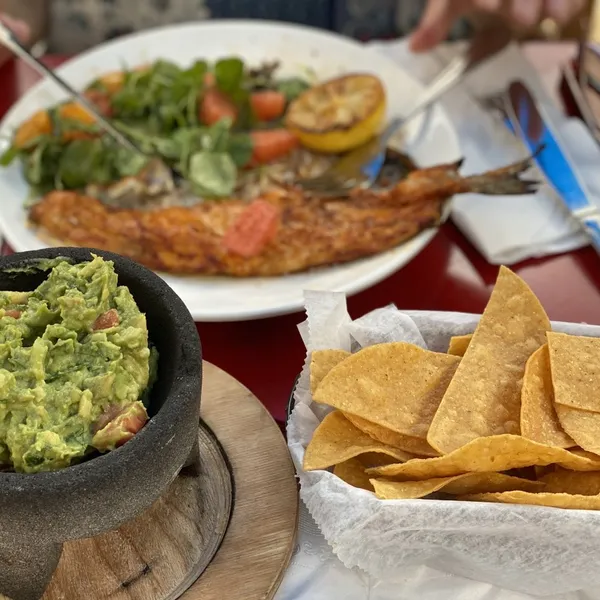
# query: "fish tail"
(507, 181)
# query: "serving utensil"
(10, 41)
(361, 167)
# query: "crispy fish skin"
(312, 232)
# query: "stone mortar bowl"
(39, 512)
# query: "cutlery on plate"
(10, 41)
(361, 167)
(530, 122)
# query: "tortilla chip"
(414, 445)
(579, 452)
(495, 453)
(575, 362)
(336, 440)
(541, 472)
(459, 344)
(321, 362)
(540, 499)
(469, 483)
(538, 415)
(375, 459)
(396, 385)
(524, 473)
(582, 425)
(572, 482)
(484, 396)
(353, 472)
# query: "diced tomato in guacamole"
(120, 427)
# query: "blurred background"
(68, 26)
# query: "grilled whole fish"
(284, 231)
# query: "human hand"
(440, 15)
(20, 29)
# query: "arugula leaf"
(240, 148)
(85, 161)
(229, 74)
(195, 74)
(213, 175)
(128, 162)
(166, 69)
(9, 155)
(135, 98)
(145, 140)
(41, 164)
(232, 79)
(34, 168)
(171, 149)
(216, 137)
(184, 142)
(291, 88)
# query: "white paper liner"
(536, 550)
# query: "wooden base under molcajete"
(225, 528)
(161, 553)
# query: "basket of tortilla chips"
(469, 444)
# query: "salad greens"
(291, 88)
(163, 98)
(159, 109)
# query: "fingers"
(440, 16)
(527, 14)
(19, 28)
(563, 11)
(487, 5)
(436, 23)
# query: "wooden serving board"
(261, 536)
(230, 519)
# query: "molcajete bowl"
(39, 512)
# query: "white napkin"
(316, 574)
(505, 229)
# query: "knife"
(529, 121)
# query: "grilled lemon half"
(338, 115)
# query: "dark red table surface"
(267, 354)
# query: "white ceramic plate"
(298, 48)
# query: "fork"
(361, 167)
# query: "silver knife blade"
(532, 125)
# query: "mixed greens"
(160, 109)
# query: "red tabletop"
(266, 355)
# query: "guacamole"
(74, 363)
